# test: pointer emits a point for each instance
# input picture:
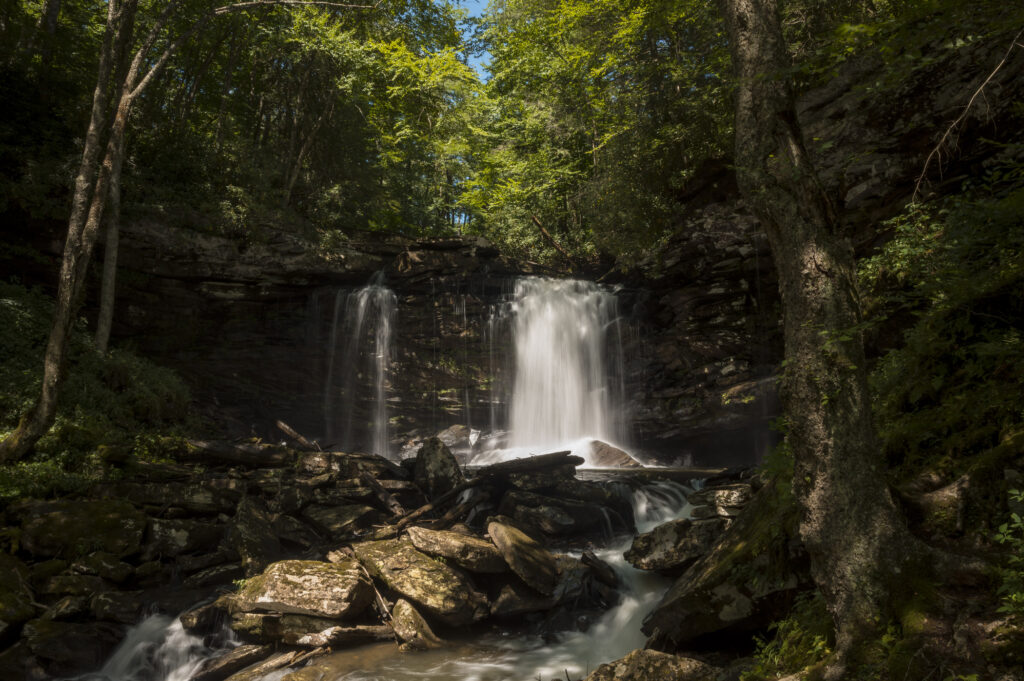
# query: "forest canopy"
(592, 120)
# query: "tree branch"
(960, 119)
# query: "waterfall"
(363, 325)
(159, 649)
(568, 373)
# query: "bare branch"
(937, 151)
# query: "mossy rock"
(441, 590)
(71, 529)
(747, 581)
(651, 665)
(16, 599)
(306, 587)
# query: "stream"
(158, 649)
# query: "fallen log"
(294, 434)
(261, 669)
(383, 495)
(220, 668)
(602, 570)
(244, 453)
(337, 637)
(457, 513)
(531, 464)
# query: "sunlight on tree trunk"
(850, 523)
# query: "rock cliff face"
(257, 333)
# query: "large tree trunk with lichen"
(857, 540)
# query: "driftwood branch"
(295, 435)
(384, 496)
(459, 512)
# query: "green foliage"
(108, 402)
(599, 113)
(801, 640)
(1011, 535)
(949, 388)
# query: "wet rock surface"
(443, 591)
(651, 665)
(746, 581)
(672, 547)
(306, 587)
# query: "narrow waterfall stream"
(362, 326)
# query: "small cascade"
(362, 326)
(523, 657)
(158, 649)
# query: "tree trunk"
(857, 540)
(109, 285)
(77, 247)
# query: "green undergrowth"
(947, 390)
(111, 410)
(800, 641)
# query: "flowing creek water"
(158, 650)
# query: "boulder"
(306, 587)
(74, 585)
(514, 598)
(472, 553)
(216, 575)
(16, 599)
(575, 589)
(339, 522)
(746, 582)
(251, 535)
(412, 629)
(105, 565)
(604, 455)
(68, 649)
(70, 608)
(534, 564)
(651, 665)
(118, 606)
(304, 631)
(170, 538)
(736, 494)
(442, 591)
(436, 470)
(70, 529)
(200, 498)
(555, 516)
(673, 546)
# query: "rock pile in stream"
(299, 552)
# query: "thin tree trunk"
(859, 545)
(40, 417)
(107, 292)
(307, 144)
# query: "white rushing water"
(157, 649)
(528, 658)
(363, 325)
(568, 378)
